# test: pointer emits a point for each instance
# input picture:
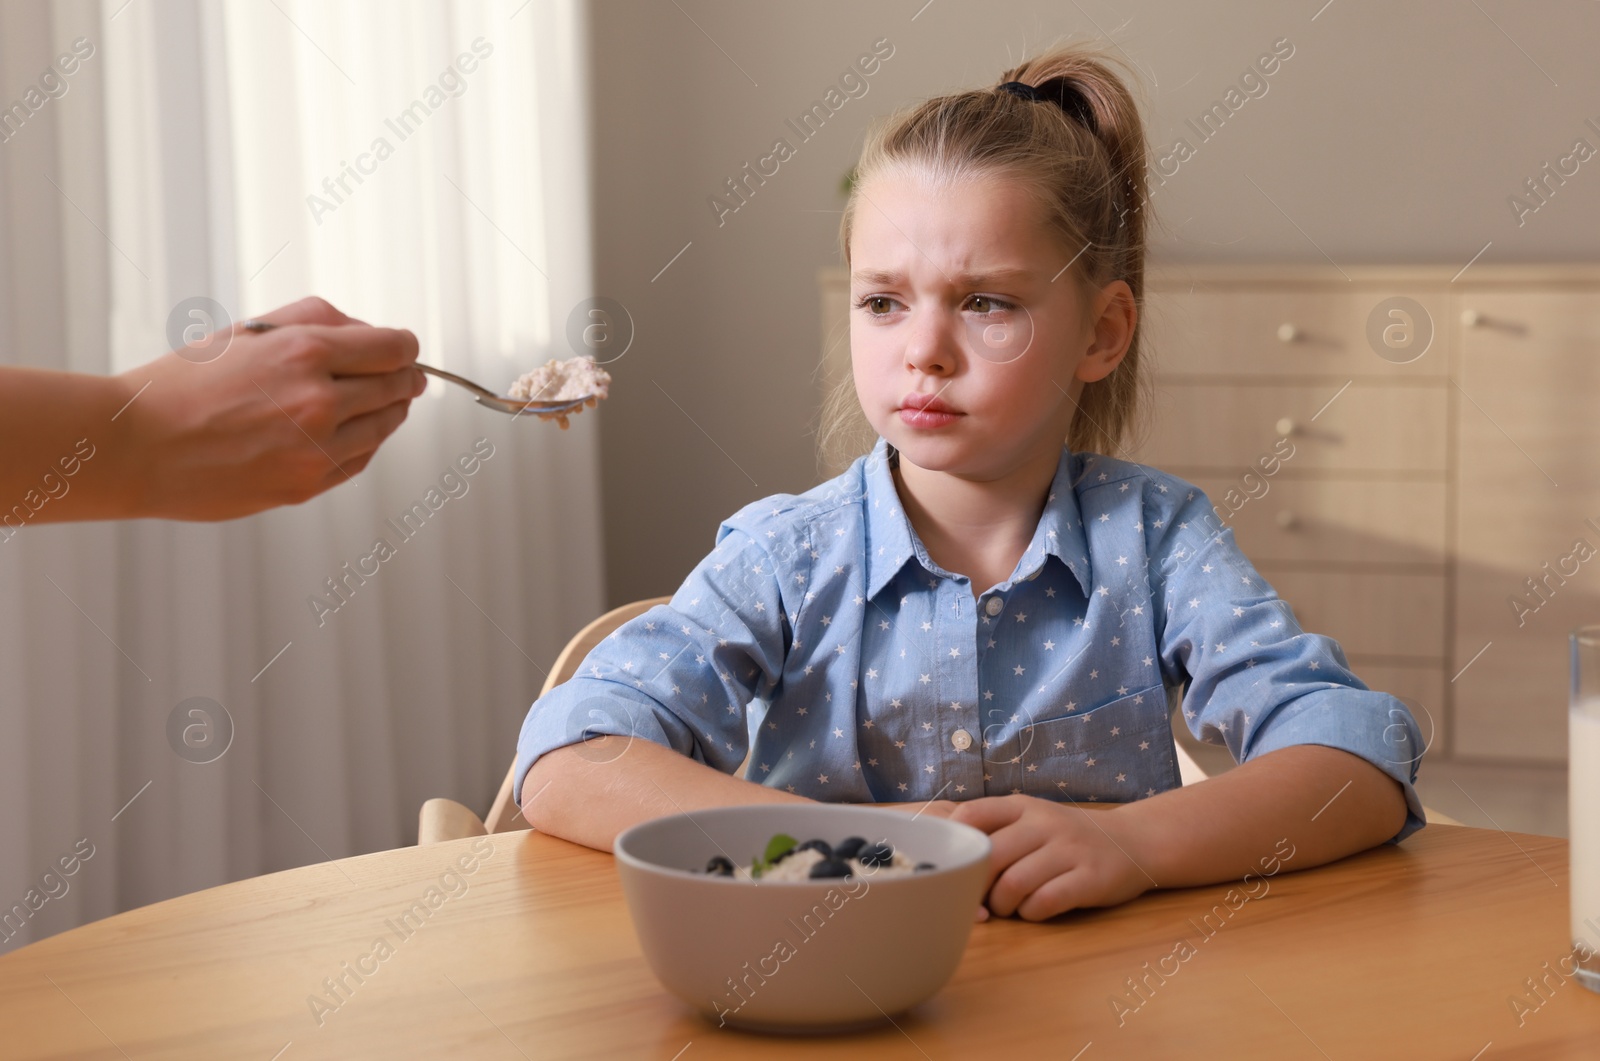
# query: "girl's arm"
(1327, 803)
(1293, 808)
(652, 722)
(587, 793)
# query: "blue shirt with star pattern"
(820, 639)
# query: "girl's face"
(960, 296)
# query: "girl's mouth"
(926, 411)
(927, 418)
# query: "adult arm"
(276, 419)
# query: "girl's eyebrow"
(998, 275)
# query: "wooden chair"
(445, 819)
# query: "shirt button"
(994, 606)
(961, 739)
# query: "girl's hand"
(1048, 858)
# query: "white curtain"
(188, 157)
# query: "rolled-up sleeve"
(682, 674)
(1257, 682)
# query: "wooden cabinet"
(1432, 487)
(1529, 484)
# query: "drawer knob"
(1288, 520)
(1471, 318)
(1288, 333)
(1286, 427)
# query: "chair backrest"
(504, 815)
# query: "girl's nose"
(932, 343)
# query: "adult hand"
(1048, 858)
(280, 417)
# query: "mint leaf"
(779, 846)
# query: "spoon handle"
(482, 392)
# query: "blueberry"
(720, 866)
(878, 854)
(925, 865)
(817, 845)
(830, 867)
(849, 847)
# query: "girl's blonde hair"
(1089, 183)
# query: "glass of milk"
(1583, 796)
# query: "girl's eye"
(994, 305)
(866, 301)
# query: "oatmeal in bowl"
(760, 946)
(786, 858)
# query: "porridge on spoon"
(557, 381)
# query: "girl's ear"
(1114, 315)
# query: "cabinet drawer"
(1239, 330)
(1298, 520)
(1368, 614)
(1370, 426)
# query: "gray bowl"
(811, 955)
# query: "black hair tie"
(1063, 92)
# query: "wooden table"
(1401, 952)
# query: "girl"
(976, 620)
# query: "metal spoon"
(484, 396)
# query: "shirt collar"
(891, 541)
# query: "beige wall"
(1395, 133)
